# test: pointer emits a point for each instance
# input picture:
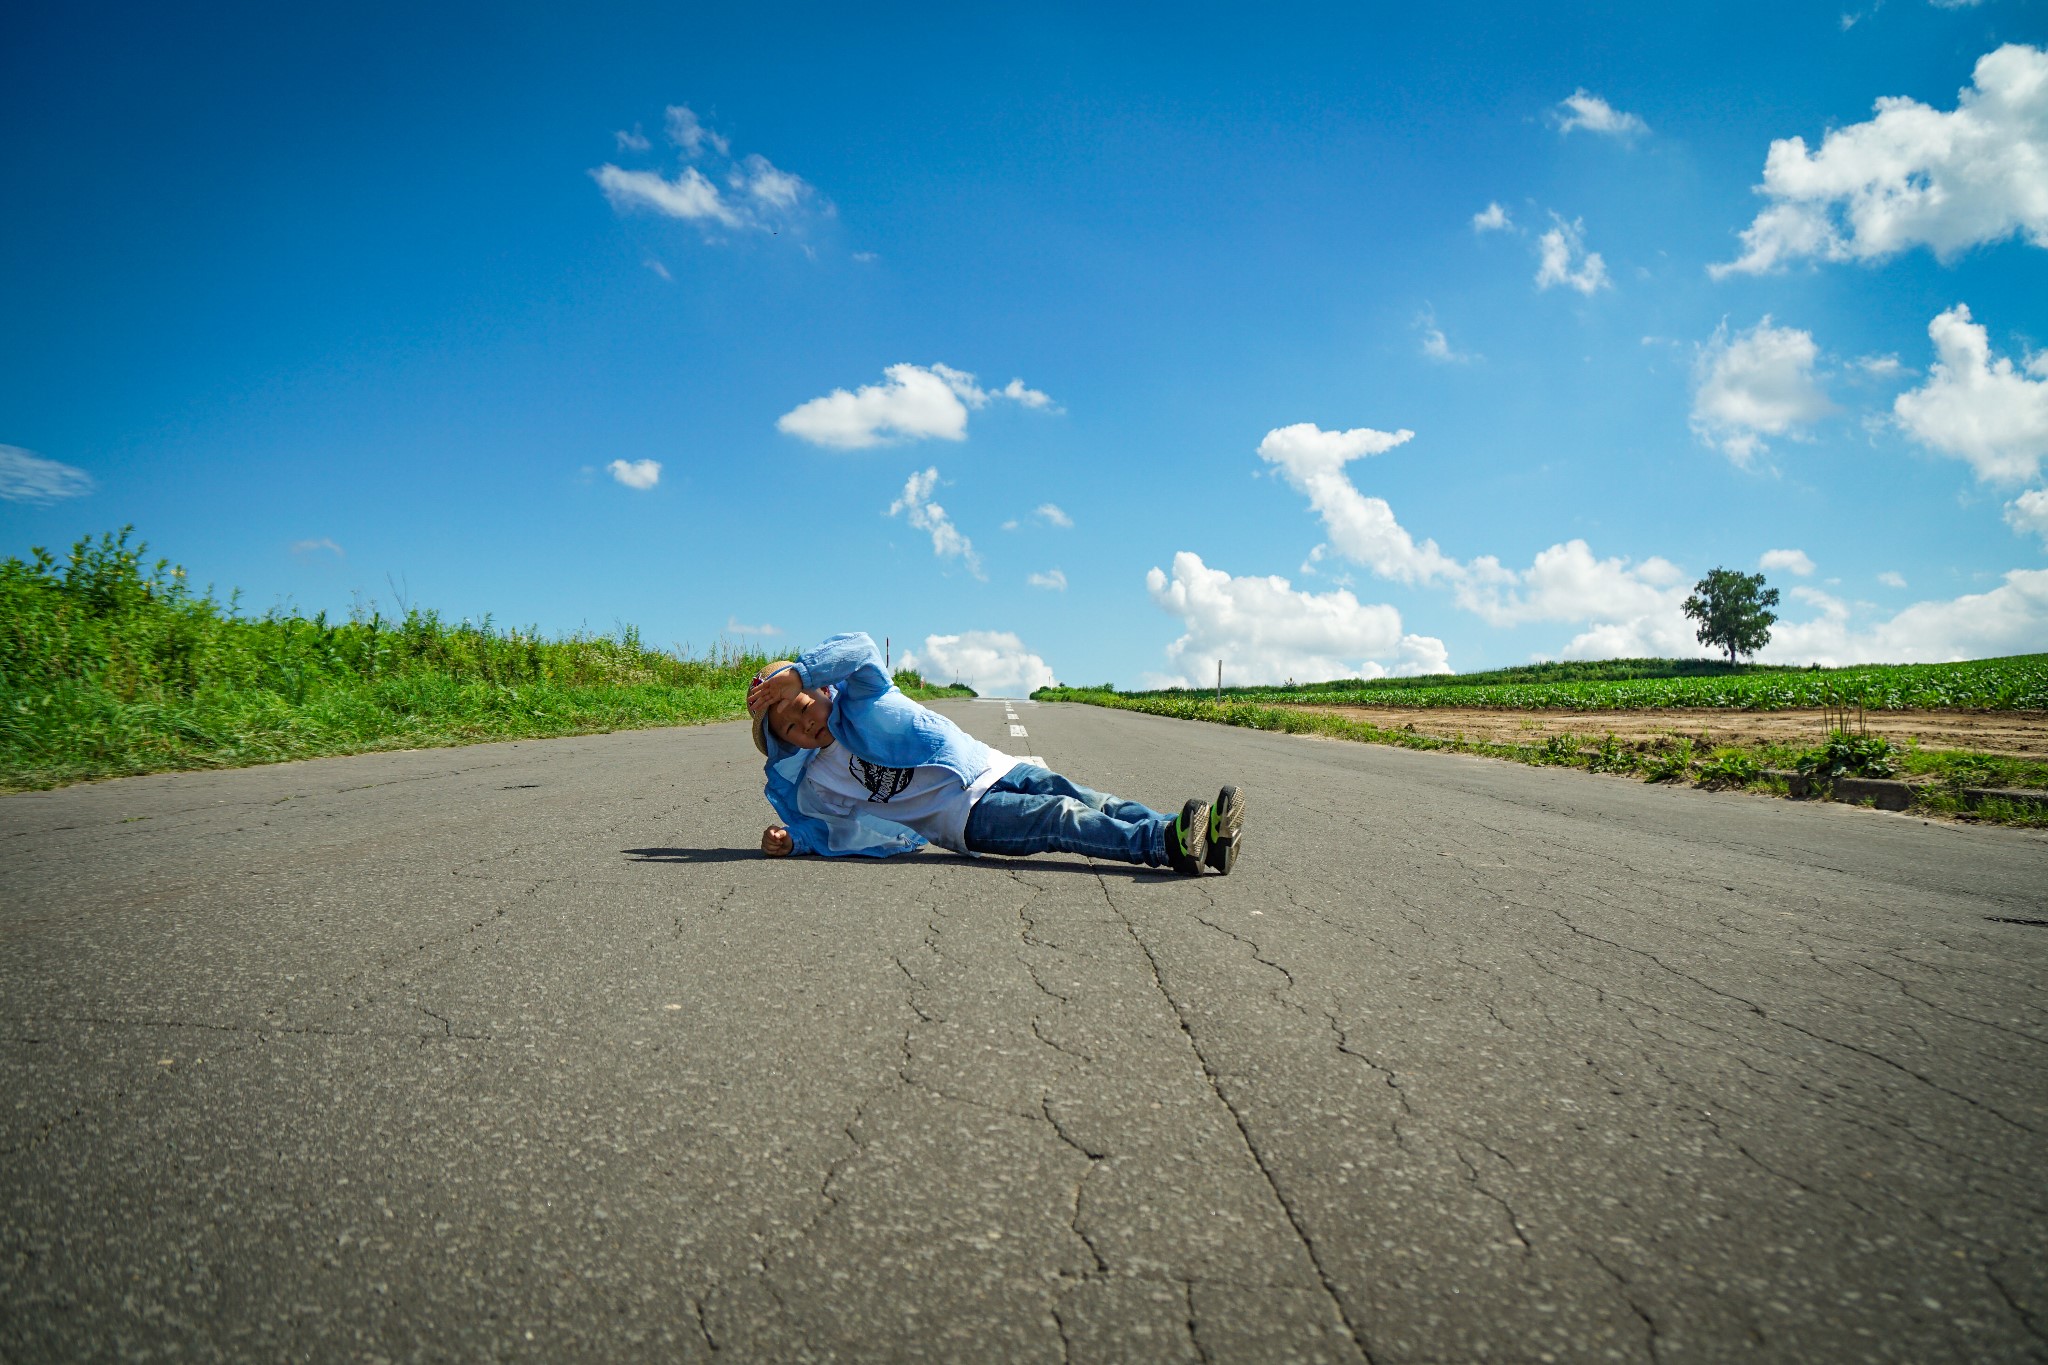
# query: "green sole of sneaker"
(1226, 821)
(1194, 817)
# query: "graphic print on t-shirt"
(882, 783)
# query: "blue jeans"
(1031, 810)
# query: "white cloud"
(323, 545)
(1051, 514)
(1435, 345)
(1010, 525)
(1758, 383)
(759, 178)
(641, 474)
(764, 198)
(1892, 578)
(1880, 366)
(733, 627)
(1017, 393)
(1051, 578)
(1567, 583)
(1563, 583)
(1312, 461)
(1831, 607)
(926, 515)
(689, 196)
(913, 403)
(2009, 619)
(1584, 109)
(1266, 632)
(1635, 605)
(1421, 655)
(1492, 218)
(1666, 635)
(1628, 609)
(2028, 512)
(688, 132)
(1559, 248)
(1913, 175)
(1978, 409)
(658, 268)
(994, 663)
(27, 477)
(1790, 561)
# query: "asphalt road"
(522, 1051)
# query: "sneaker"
(1187, 838)
(1226, 820)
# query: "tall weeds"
(112, 664)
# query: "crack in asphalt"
(916, 990)
(1621, 1285)
(1906, 989)
(703, 1324)
(1392, 1079)
(1095, 1160)
(1258, 956)
(1194, 1328)
(1066, 1339)
(1843, 1108)
(1782, 1022)
(1472, 1178)
(1244, 1131)
(2027, 1318)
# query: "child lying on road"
(856, 767)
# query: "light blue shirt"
(875, 721)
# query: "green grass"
(2018, 683)
(110, 666)
(913, 685)
(1676, 759)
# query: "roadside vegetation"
(913, 685)
(111, 665)
(1943, 778)
(2016, 683)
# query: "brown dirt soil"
(2017, 734)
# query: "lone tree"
(1734, 611)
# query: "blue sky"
(330, 306)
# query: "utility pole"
(1219, 682)
(885, 656)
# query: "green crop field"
(1944, 780)
(2018, 683)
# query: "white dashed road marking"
(1017, 732)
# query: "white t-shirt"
(930, 799)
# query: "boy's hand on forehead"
(772, 686)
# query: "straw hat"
(761, 721)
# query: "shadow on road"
(694, 855)
(995, 862)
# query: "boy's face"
(801, 720)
